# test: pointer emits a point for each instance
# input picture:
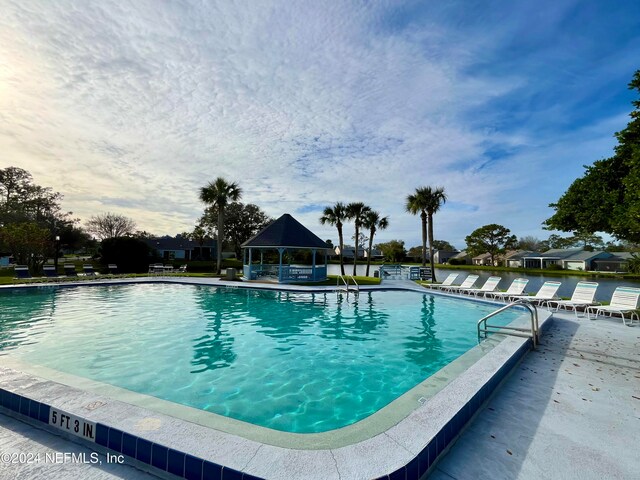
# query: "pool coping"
(406, 450)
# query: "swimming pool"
(296, 362)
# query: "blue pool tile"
(175, 462)
(143, 451)
(413, 469)
(34, 408)
(159, 456)
(231, 474)
(129, 445)
(439, 443)
(192, 468)
(211, 471)
(4, 398)
(24, 406)
(43, 413)
(102, 435)
(13, 402)
(247, 476)
(115, 440)
(400, 474)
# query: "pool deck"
(570, 410)
(577, 394)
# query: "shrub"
(554, 266)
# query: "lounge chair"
(624, 300)
(22, 271)
(582, 296)
(183, 268)
(70, 270)
(156, 268)
(516, 288)
(88, 270)
(489, 286)
(50, 271)
(113, 269)
(468, 283)
(447, 282)
(547, 292)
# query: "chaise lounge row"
(624, 299)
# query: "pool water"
(297, 362)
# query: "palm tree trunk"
(341, 241)
(433, 268)
(424, 239)
(371, 234)
(219, 243)
(355, 252)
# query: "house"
(618, 262)
(515, 258)
(348, 252)
(181, 248)
(483, 259)
(5, 260)
(567, 258)
(462, 258)
(375, 254)
(443, 256)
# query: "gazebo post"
(280, 251)
(250, 277)
(313, 263)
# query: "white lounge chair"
(624, 300)
(516, 288)
(583, 296)
(447, 282)
(489, 286)
(547, 292)
(468, 283)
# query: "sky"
(131, 107)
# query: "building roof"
(482, 256)
(586, 255)
(286, 231)
(520, 254)
(557, 253)
(462, 254)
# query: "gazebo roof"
(287, 232)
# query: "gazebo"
(284, 235)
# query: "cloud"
(133, 106)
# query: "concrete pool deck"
(358, 467)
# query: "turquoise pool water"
(296, 362)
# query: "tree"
(29, 243)
(426, 201)
(335, 216)
(607, 197)
(356, 212)
(218, 194)
(444, 246)
(374, 222)
(530, 243)
(110, 225)
(493, 239)
(392, 250)
(242, 221)
(556, 241)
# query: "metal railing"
(532, 332)
(345, 288)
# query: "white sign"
(70, 423)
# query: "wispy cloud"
(132, 106)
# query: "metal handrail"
(517, 331)
(344, 279)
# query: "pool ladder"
(533, 332)
(345, 287)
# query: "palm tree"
(218, 194)
(373, 222)
(426, 201)
(436, 200)
(336, 215)
(356, 212)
